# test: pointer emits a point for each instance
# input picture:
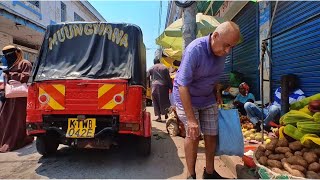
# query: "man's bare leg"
(191, 150)
(210, 148)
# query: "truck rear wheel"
(47, 144)
(144, 147)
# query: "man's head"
(225, 37)
(293, 82)
(244, 89)
(12, 53)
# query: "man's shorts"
(206, 116)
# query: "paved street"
(167, 160)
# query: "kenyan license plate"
(81, 128)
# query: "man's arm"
(193, 125)
(186, 103)
(184, 80)
(217, 92)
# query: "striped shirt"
(297, 95)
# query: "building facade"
(23, 23)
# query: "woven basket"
(266, 173)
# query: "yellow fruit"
(258, 137)
(306, 110)
(267, 141)
(252, 136)
(246, 134)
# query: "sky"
(145, 14)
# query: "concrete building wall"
(49, 12)
(5, 39)
(230, 9)
(18, 15)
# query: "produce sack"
(230, 140)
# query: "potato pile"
(290, 158)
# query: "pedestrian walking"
(160, 85)
(13, 112)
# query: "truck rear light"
(43, 99)
(118, 98)
(129, 126)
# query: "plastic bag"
(230, 141)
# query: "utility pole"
(189, 26)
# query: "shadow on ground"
(120, 162)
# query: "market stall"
(295, 151)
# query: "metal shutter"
(224, 78)
(245, 56)
(295, 45)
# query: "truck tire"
(144, 146)
(47, 145)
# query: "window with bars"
(63, 12)
(77, 17)
(35, 3)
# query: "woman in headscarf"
(13, 112)
(243, 97)
(161, 84)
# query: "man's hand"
(193, 130)
(219, 99)
(217, 92)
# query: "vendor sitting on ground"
(272, 112)
(243, 97)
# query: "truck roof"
(92, 50)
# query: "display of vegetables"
(294, 116)
(292, 158)
(306, 110)
(247, 126)
(297, 151)
(251, 134)
(303, 124)
(309, 127)
(293, 132)
(302, 103)
(316, 117)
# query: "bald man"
(195, 94)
